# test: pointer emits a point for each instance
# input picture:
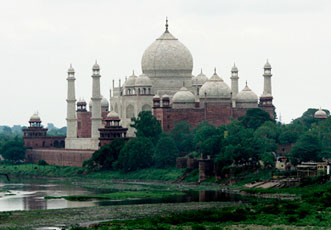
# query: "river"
(29, 194)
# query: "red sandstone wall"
(84, 124)
(61, 157)
(44, 142)
(215, 114)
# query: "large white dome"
(167, 57)
(215, 87)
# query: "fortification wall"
(60, 157)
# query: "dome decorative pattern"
(247, 95)
(143, 80)
(215, 87)
(166, 55)
(183, 96)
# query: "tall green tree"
(183, 137)
(136, 154)
(147, 125)
(254, 118)
(13, 150)
(104, 158)
(308, 148)
(166, 152)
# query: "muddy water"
(29, 195)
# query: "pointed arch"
(129, 111)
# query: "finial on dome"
(246, 83)
(215, 70)
(166, 25)
(133, 72)
(183, 83)
(201, 70)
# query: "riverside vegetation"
(151, 157)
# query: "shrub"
(42, 162)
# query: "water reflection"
(30, 196)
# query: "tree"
(147, 125)
(136, 154)
(254, 118)
(166, 152)
(202, 132)
(183, 137)
(308, 148)
(105, 157)
(13, 151)
(241, 144)
(323, 129)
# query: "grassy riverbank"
(34, 170)
(266, 215)
(120, 195)
(74, 216)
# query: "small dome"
(143, 80)
(112, 114)
(71, 70)
(96, 66)
(104, 102)
(156, 97)
(35, 117)
(131, 82)
(234, 68)
(199, 80)
(321, 114)
(166, 55)
(246, 95)
(183, 96)
(267, 65)
(81, 102)
(215, 87)
(165, 96)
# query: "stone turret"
(96, 98)
(71, 105)
(234, 84)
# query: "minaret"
(266, 97)
(267, 80)
(71, 105)
(96, 119)
(234, 81)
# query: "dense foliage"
(250, 142)
(106, 156)
(13, 150)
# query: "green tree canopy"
(166, 152)
(105, 157)
(308, 148)
(183, 137)
(136, 154)
(147, 125)
(13, 150)
(254, 118)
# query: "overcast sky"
(40, 38)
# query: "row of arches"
(130, 111)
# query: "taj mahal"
(166, 87)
